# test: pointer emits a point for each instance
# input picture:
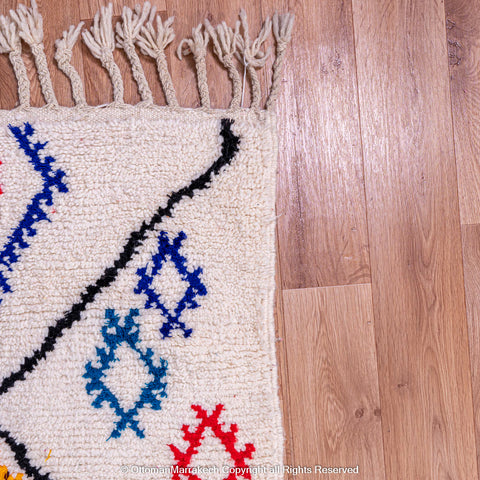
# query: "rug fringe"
(10, 43)
(197, 46)
(100, 40)
(63, 56)
(225, 47)
(127, 33)
(30, 28)
(282, 31)
(252, 55)
(153, 43)
(142, 27)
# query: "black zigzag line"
(20, 452)
(229, 149)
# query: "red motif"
(227, 438)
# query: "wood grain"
(471, 259)
(463, 37)
(415, 245)
(88, 8)
(281, 353)
(321, 204)
(332, 368)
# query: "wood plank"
(332, 373)
(321, 204)
(463, 36)
(471, 262)
(413, 221)
(88, 8)
(281, 353)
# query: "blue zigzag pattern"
(36, 211)
(167, 250)
(151, 393)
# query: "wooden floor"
(378, 301)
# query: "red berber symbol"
(228, 439)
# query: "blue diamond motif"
(170, 251)
(115, 335)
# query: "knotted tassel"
(251, 54)
(10, 43)
(100, 40)
(127, 33)
(197, 46)
(30, 28)
(153, 44)
(225, 46)
(282, 31)
(63, 56)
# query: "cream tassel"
(10, 43)
(127, 33)
(101, 42)
(30, 28)
(63, 56)
(282, 30)
(224, 46)
(153, 44)
(251, 54)
(197, 46)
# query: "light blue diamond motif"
(151, 393)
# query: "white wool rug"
(137, 263)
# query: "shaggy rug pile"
(137, 263)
